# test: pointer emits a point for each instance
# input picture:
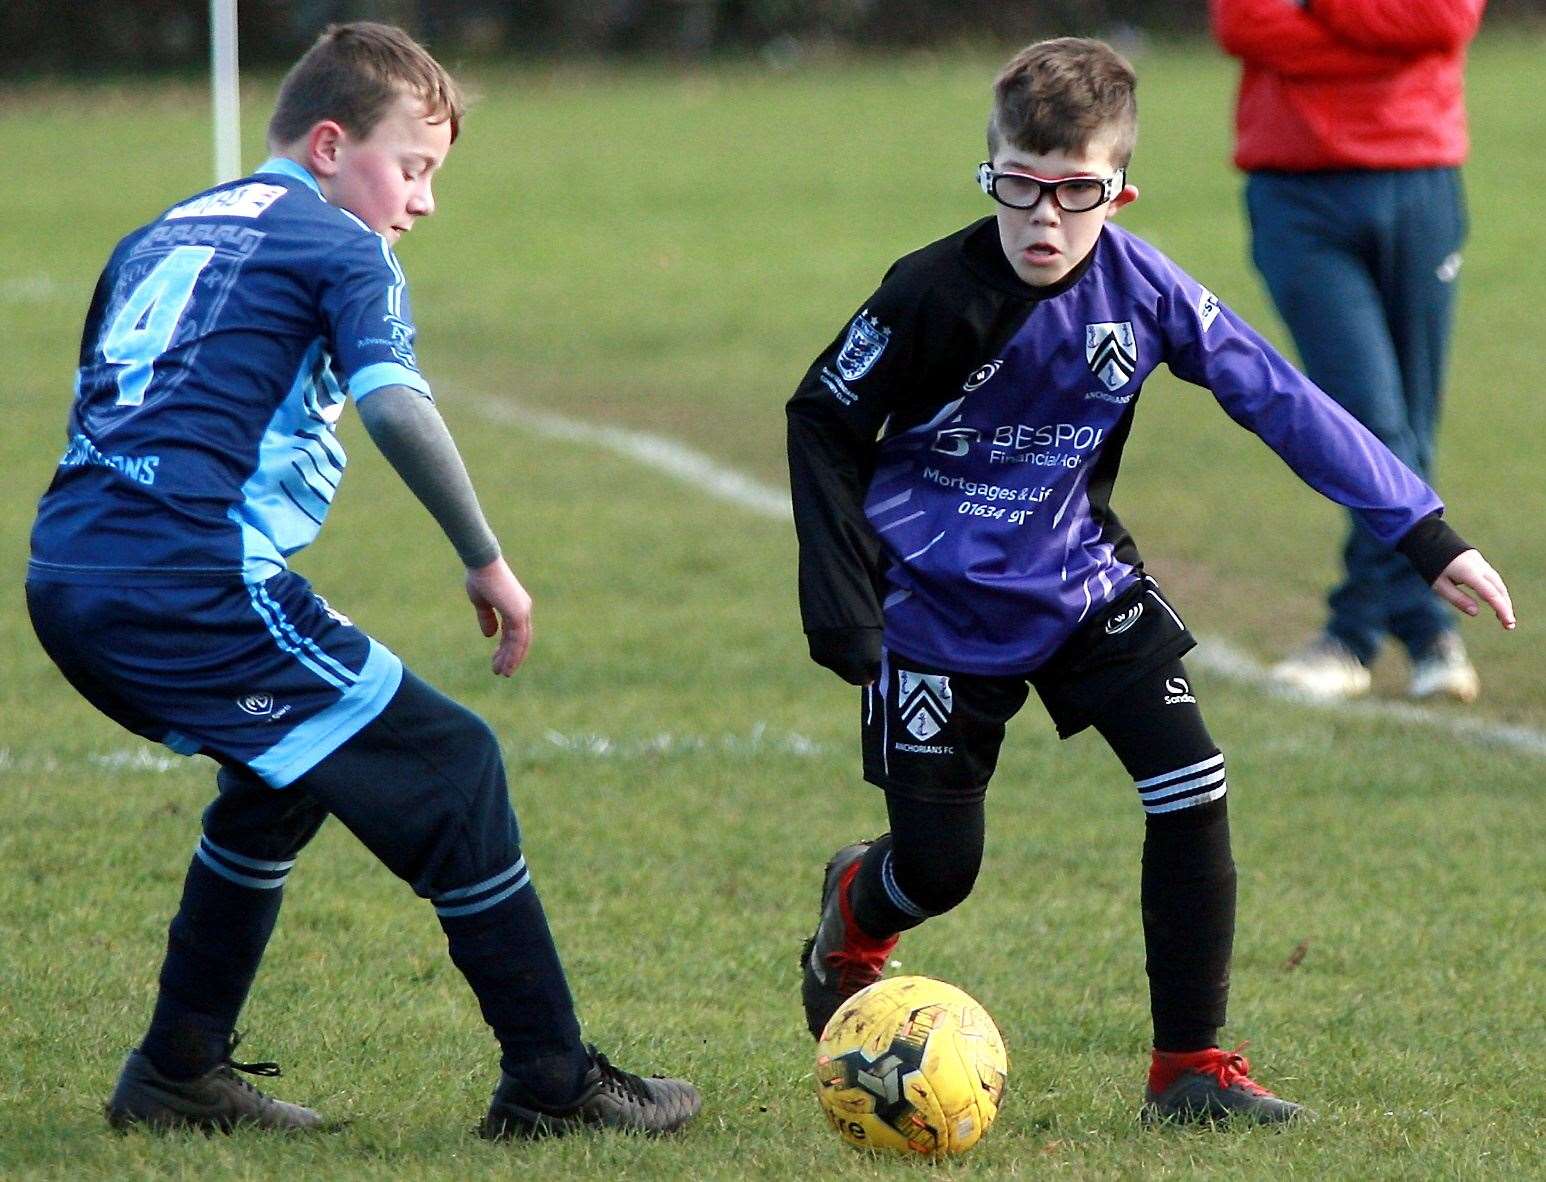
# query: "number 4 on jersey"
(145, 324)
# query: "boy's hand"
(504, 607)
(852, 653)
(1472, 571)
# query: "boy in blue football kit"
(952, 456)
(221, 345)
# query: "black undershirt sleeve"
(1431, 545)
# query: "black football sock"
(506, 953)
(1188, 897)
(214, 946)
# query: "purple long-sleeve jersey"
(961, 485)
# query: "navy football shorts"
(934, 735)
(265, 676)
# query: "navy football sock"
(506, 953)
(214, 946)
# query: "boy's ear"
(323, 142)
(1127, 196)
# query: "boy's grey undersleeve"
(413, 437)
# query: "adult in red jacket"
(1351, 128)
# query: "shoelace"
(861, 959)
(619, 1082)
(859, 967)
(265, 1068)
(1233, 1068)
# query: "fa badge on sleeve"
(866, 341)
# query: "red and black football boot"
(1197, 1087)
(840, 959)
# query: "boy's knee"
(472, 760)
(256, 821)
(424, 787)
(471, 831)
(936, 884)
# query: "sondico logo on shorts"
(1177, 691)
(925, 705)
(1122, 621)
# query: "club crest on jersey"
(1112, 351)
(866, 340)
(926, 700)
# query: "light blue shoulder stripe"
(395, 292)
(385, 373)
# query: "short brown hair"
(353, 74)
(1063, 95)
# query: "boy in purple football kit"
(952, 456)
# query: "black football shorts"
(934, 735)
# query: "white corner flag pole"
(224, 81)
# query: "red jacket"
(1348, 83)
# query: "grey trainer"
(611, 1098)
(1211, 1086)
(217, 1101)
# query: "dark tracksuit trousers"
(1362, 265)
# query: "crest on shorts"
(1112, 351)
(926, 700)
(866, 340)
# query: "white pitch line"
(1213, 654)
(1220, 657)
(653, 451)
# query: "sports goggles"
(1074, 194)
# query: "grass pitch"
(665, 252)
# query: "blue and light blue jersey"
(222, 343)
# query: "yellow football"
(911, 1065)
